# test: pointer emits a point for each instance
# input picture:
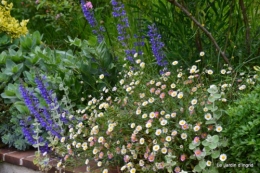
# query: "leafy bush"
(243, 131)
(10, 25)
(29, 56)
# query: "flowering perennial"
(88, 12)
(157, 45)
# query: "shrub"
(243, 131)
(10, 25)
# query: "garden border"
(25, 159)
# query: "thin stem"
(242, 6)
(202, 28)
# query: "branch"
(202, 28)
(242, 6)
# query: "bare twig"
(243, 9)
(202, 28)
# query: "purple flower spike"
(157, 45)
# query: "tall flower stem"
(202, 28)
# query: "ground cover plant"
(137, 86)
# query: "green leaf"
(211, 99)
(192, 146)
(216, 96)
(215, 138)
(217, 114)
(205, 143)
(213, 89)
(210, 122)
(215, 154)
(213, 170)
(21, 107)
(10, 64)
(3, 58)
(202, 164)
(213, 145)
(3, 77)
(197, 168)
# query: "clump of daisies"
(170, 122)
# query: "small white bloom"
(208, 163)
(158, 132)
(99, 164)
(133, 170)
(242, 87)
(183, 136)
(223, 71)
(128, 89)
(173, 115)
(194, 101)
(210, 72)
(101, 76)
(208, 116)
(151, 100)
(219, 128)
(138, 61)
(100, 139)
(180, 95)
(87, 161)
(142, 65)
(62, 139)
(121, 81)
(138, 111)
(156, 147)
(174, 62)
(58, 164)
(152, 115)
(163, 122)
(148, 125)
(105, 171)
(144, 116)
(144, 103)
(141, 141)
(202, 53)
(182, 122)
(173, 85)
(139, 128)
(164, 150)
(223, 157)
(168, 138)
(196, 128)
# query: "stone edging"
(25, 159)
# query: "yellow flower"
(10, 25)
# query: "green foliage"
(227, 22)
(78, 71)
(10, 130)
(243, 130)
